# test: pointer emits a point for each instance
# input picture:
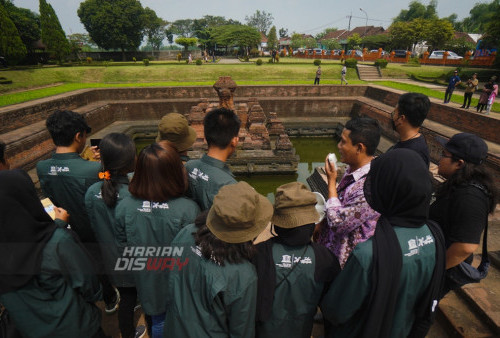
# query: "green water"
(312, 152)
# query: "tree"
(417, 10)
(11, 45)
(492, 34)
(439, 32)
(183, 27)
(26, 21)
(283, 32)
(203, 28)
(331, 44)
(272, 39)
(354, 41)
(376, 41)
(186, 42)
(321, 35)
(480, 16)
(154, 28)
(113, 24)
(297, 41)
(53, 35)
(260, 20)
(243, 36)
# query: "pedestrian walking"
(343, 74)
(318, 75)
(470, 88)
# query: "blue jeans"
(157, 327)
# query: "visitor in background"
(343, 75)
(470, 88)
(293, 272)
(152, 215)
(48, 281)
(350, 220)
(4, 161)
(318, 75)
(65, 178)
(208, 174)
(406, 120)
(485, 94)
(390, 286)
(175, 128)
(493, 94)
(215, 293)
(118, 159)
(454, 81)
(464, 200)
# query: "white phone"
(332, 158)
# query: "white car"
(438, 54)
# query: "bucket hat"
(175, 128)
(294, 206)
(239, 213)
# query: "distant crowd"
(207, 256)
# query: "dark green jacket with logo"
(349, 290)
(297, 296)
(59, 302)
(209, 300)
(64, 179)
(111, 237)
(206, 176)
(152, 224)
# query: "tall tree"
(113, 24)
(243, 36)
(154, 28)
(439, 32)
(417, 10)
(354, 41)
(53, 35)
(283, 32)
(186, 42)
(272, 38)
(11, 45)
(326, 31)
(260, 20)
(183, 27)
(26, 21)
(480, 16)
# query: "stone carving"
(225, 88)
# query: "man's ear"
(460, 163)
(360, 148)
(234, 141)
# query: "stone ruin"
(263, 145)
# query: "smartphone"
(94, 142)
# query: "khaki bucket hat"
(294, 206)
(175, 128)
(239, 213)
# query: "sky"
(301, 16)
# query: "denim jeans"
(158, 322)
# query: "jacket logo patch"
(197, 173)
(147, 206)
(286, 261)
(54, 170)
(416, 243)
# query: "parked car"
(384, 53)
(399, 53)
(266, 53)
(357, 52)
(438, 54)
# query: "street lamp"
(366, 23)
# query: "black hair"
(221, 126)
(2, 152)
(63, 125)
(117, 157)
(217, 250)
(471, 173)
(364, 130)
(415, 107)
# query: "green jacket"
(349, 290)
(59, 302)
(111, 237)
(209, 300)
(206, 176)
(151, 224)
(64, 179)
(297, 297)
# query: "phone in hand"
(94, 142)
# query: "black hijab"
(25, 228)
(398, 186)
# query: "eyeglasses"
(443, 154)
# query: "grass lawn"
(27, 82)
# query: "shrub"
(254, 52)
(246, 58)
(179, 57)
(259, 62)
(382, 63)
(351, 63)
(199, 62)
(270, 60)
(187, 61)
(317, 62)
(414, 61)
(146, 62)
(89, 59)
(134, 59)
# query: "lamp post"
(366, 23)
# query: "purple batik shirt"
(350, 219)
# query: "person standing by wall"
(343, 74)
(318, 75)
(470, 88)
(493, 94)
(454, 81)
